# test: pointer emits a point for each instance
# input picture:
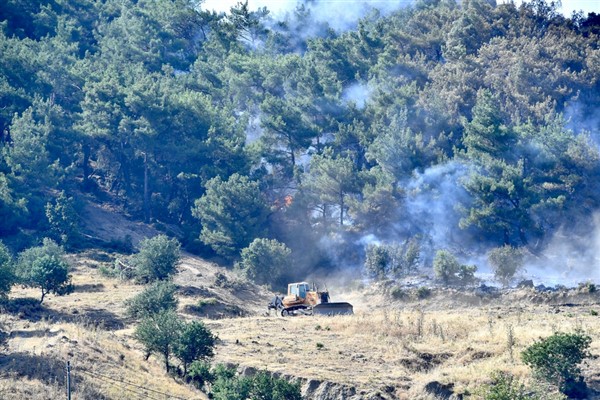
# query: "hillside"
(390, 349)
(413, 158)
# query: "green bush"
(376, 261)
(423, 292)
(265, 261)
(448, 270)
(505, 262)
(7, 276)
(63, 219)
(196, 343)
(504, 386)
(157, 258)
(228, 386)
(398, 293)
(199, 373)
(445, 266)
(44, 267)
(159, 333)
(556, 359)
(159, 296)
(395, 259)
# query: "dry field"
(405, 349)
(402, 351)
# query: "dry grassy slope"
(89, 328)
(389, 350)
(386, 351)
(400, 350)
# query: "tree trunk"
(167, 361)
(86, 165)
(43, 295)
(146, 191)
(341, 208)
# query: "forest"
(444, 125)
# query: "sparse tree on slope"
(45, 267)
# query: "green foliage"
(448, 270)
(232, 214)
(228, 386)
(160, 333)
(196, 343)
(265, 261)
(199, 373)
(157, 258)
(376, 261)
(44, 267)
(188, 117)
(398, 293)
(423, 292)
(556, 360)
(330, 180)
(160, 296)
(505, 386)
(63, 219)
(505, 262)
(7, 277)
(392, 260)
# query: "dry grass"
(89, 329)
(399, 348)
(405, 348)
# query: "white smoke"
(341, 15)
(432, 204)
(254, 130)
(568, 259)
(358, 94)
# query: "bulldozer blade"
(333, 309)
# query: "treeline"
(449, 123)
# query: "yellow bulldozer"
(303, 298)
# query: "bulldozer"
(303, 298)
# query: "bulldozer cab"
(298, 289)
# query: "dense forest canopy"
(461, 125)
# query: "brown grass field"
(403, 349)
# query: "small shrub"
(376, 261)
(594, 313)
(44, 267)
(157, 258)
(423, 292)
(556, 359)
(264, 261)
(447, 269)
(63, 219)
(157, 297)
(587, 287)
(228, 386)
(108, 271)
(199, 373)
(211, 301)
(505, 386)
(505, 262)
(320, 346)
(398, 293)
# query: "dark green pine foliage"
(238, 126)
